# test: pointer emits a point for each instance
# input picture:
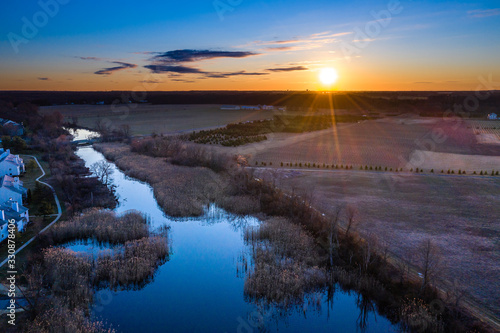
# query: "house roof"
(11, 213)
(9, 183)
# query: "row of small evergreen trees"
(372, 168)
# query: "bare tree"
(125, 131)
(34, 290)
(332, 234)
(429, 261)
(103, 171)
(369, 246)
(351, 219)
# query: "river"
(200, 290)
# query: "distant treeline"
(429, 103)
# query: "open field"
(399, 142)
(460, 214)
(145, 119)
(486, 131)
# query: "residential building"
(11, 127)
(4, 230)
(250, 108)
(10, 164)
(230, 107)
(12, 210)
(11, 188)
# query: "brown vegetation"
(353, 262)
(102, 226)
(283, 270)
(62, 282)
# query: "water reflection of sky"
(198, 289)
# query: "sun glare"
(328, 76)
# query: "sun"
(328, 76)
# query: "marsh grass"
(181, 191)
(283, 271)
(71, 278)
(59, 318)
(102, 226)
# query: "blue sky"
(89, 45)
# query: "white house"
(11, 165)
(4, 230)
(12, 210)
(492, 116)
(12, 188)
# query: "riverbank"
(354, 263)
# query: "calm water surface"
(199, 289)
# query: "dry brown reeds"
(102, 226)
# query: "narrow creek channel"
(200, 289)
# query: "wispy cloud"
(43, 79)
(313, 41)
(287, 69)
(281, 48)
(90, 58)
(111, 70)
(480, 13)
(151, 81)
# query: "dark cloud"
(171, 62)
(288, 69)
(174, 69)
(180, 56)
(43, 79)
(111, 70)
(225, 75)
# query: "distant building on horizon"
(230, 107)
(247, 107)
